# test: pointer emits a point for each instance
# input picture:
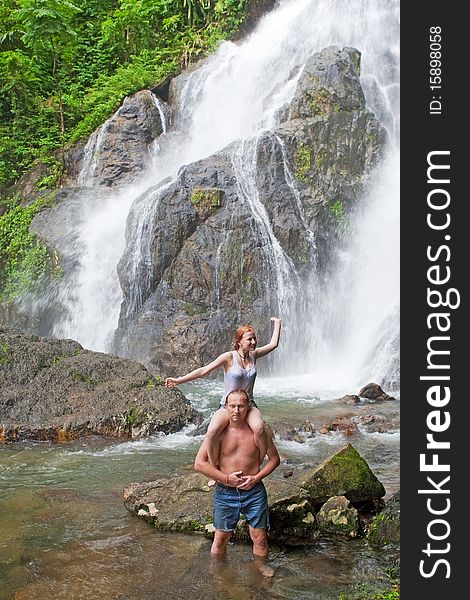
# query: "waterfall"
(280, 275)
(91, 296)
(236, 94)
(355, 319)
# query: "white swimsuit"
(238, 378)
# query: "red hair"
(239, 334)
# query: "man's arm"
(203, 465)
(272, 463)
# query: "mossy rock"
(345, 473)
(206, 201)
(338, 517)
(291, 513)
(384, 528)
(303, 161)
(173, 504)
(184, 503)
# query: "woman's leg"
(217, 424)
(257, 425)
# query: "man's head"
(237, 405)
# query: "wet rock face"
(207, 264)
(55, 390)
(373, 391)
(123, 145)
(236, 236)
(329, 83)
(255, 10)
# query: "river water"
(66, 532)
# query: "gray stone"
(126, 140)
(373, 391)
(338, 517)
(184, 503)
(205, 269)
(55, 390)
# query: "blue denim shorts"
(230, 503)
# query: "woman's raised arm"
(274, 343)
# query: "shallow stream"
(66, 533)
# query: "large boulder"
(373, 391)
(209, 247)
(53, 389)
(184, 503)
(291, 512)
(345, 473)
(119, 150)
(181, 503)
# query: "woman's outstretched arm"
(220, 361)
(274, 343)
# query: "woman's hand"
(263, 350)
(171, 382)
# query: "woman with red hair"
(239, 373)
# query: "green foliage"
(131, 416)
(338, 214)
(66, 66)
(321, 103)
(366, 593)
(24, 260)
(103, 99)
(302, 159)
(207, 198)
(4, 354)
(79, 377)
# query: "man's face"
(237, 407)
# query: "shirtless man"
(239, 487)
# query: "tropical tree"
(47, 31)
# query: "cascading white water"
(235, 95)
(355, 318)
(281, 274)
(93, 297)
